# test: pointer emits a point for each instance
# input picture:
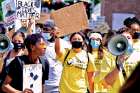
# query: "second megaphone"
(118, 45)
(4, 43)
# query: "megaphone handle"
(1, 55)
(120, 67)
(124, 73)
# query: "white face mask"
(47, 36)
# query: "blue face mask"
(129, 49)
(95, 43)
(47, 36)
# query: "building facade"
(111, 7)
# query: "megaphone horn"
(4, 43)
(117, 45)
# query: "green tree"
(1, 16)
(96, 1)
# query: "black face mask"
(76, 44)
(18, 46)
(136, 35)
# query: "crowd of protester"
(75, 63)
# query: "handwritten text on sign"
(28, 8)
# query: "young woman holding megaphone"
(124, 64)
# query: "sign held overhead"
(70, 19)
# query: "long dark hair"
(107, 37)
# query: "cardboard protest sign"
(43, 18)
(70, 19)
(102, 27)
(9, 12)
(26, 9)
(32, 77)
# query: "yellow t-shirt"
(74, 77)
(129, 65)
(103, 66)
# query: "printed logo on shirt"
(75, 61)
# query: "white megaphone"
(4, 43)
(118, 45)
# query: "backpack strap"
(88, 59)
(66, 55)
(20, 62)
(42, 61)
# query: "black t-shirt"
(16, 71)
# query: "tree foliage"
(1, 17)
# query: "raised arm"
(29, 28)
(58, 47)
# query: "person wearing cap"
(55, 67)
(104, 62)
(48, 29)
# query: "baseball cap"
(49, 24)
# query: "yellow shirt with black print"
(74, 76)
